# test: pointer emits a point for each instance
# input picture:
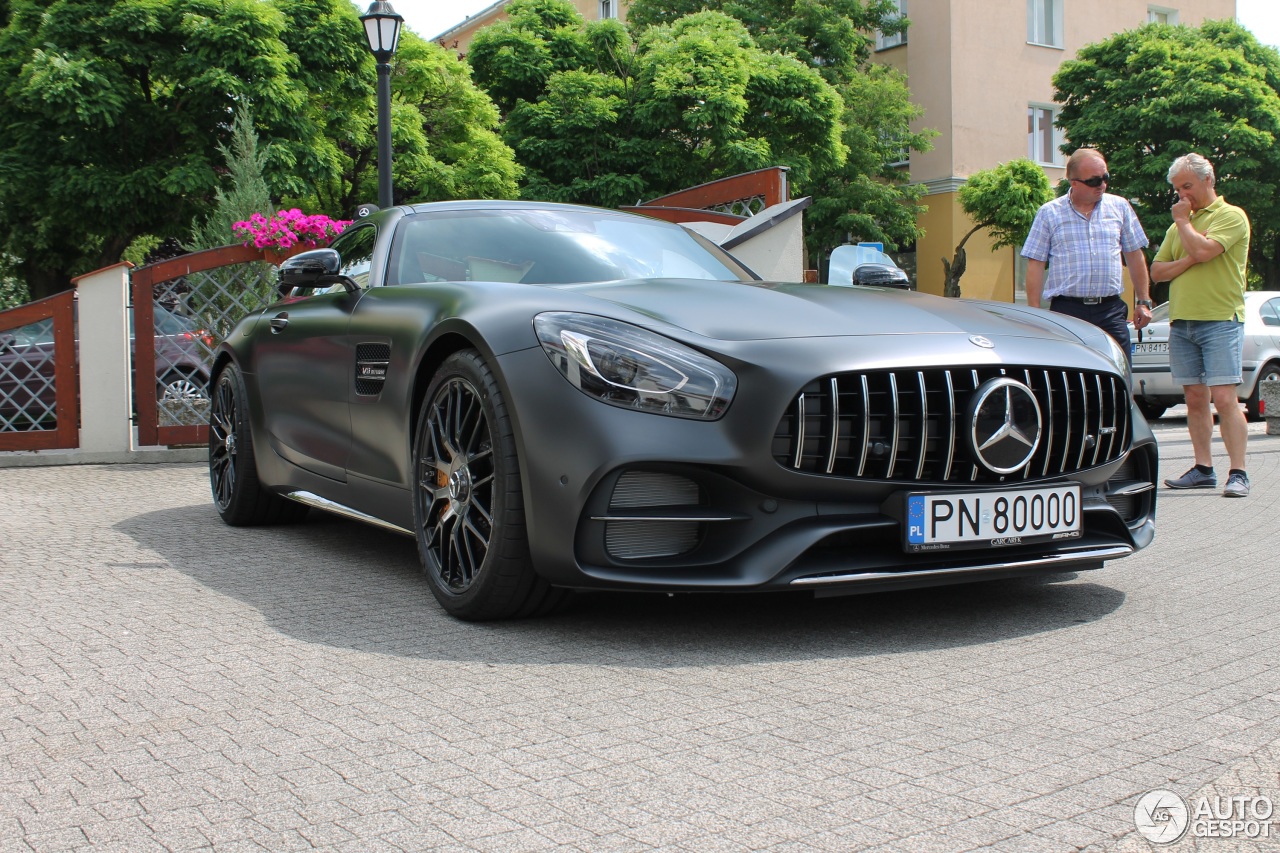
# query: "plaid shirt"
(1084, 253)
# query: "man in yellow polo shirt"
(1204, 255)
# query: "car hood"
(744, 311)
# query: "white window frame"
(1044, 22)
(608, 9)
(1035, 134)
(1170, 15)
(884, 42)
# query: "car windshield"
(551, 247)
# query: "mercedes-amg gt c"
(553, 397)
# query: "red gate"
(39, 380)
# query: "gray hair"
(1193, 163)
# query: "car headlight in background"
(631, 367)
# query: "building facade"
(459, 36)
(983, 72)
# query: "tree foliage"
(1002, 200)
(1146, 96)
(112, 113)
(699, 91)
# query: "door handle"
(278, 323)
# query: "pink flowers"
(288, 228)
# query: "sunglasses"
(1095, 181)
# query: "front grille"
(911, 425)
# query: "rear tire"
(233, 473)
(468, 507)
(1253, 406)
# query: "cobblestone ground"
(169, 683)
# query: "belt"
(1087, 300)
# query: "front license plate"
(1159, 348)
(942, 521)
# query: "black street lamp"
(382, 29)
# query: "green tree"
(597, 117)
(246, 192)
(1004, 201)
(112, 113)
(445, 142)
(1146, 96)
(866, 197)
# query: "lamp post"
(382, 29)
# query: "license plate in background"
(1159, 348)
(941, 521)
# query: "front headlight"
(627, 366)
(1118, 356)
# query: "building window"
(883, 41)
(608, 10)
(1044, 22)
(1162, 15)
(1043, 139)
(897, 151)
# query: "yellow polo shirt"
(1213, 290)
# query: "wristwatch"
(1145, 303)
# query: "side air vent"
(915, 426)
(371, 368)
(650, 516)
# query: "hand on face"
(1181, 210)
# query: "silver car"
(1153, 387)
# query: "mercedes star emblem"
(1005, 419)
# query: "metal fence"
(39, 394)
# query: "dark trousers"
(1110, 315)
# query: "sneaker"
(1195, 479)
(1237, 486)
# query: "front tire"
(467, 505)
(233, 474)
(1150, 408)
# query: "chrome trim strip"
(1065, 559)
(893, 446)
(951, 439)
(1131, 489)
(706, 518)
(327, 505)
(799, 431)
(1066, 439)
(1102, 410)
(1048, 450)
(924, 424)
(835, 425)
(866, 425)
(1084, 422)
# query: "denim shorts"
(1206, 352)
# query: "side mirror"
(316, 268)
(881, 275)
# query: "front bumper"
(617, 499)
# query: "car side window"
(1270, 312)
(355, 245)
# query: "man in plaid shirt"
(1080, 238)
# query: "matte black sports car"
(553, 397)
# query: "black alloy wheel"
(468, 509)
(233, 475)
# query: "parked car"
(553, 397)
(850, 265)
(27, 367)
(1153, 385)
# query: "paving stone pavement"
(170, 683)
